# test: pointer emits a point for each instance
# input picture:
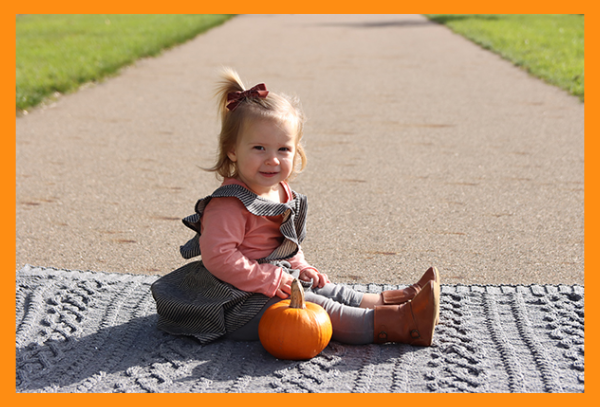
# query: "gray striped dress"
(191, 301)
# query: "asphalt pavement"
(423, 149)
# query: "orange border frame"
(7, 161)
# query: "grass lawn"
(58, 53)
(549, 46)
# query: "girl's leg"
(347, 296)
(339, 293)
(249, 332)
(371, 300)
(410, 322)
(351, 325)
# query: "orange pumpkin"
(294, 329)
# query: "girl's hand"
(319, 280)
(285, 286)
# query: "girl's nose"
(272, 160)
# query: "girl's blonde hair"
(277, 107)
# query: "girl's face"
(264, 154)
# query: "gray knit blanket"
(83, 331)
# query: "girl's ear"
(232, 156)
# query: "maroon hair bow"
(234, 98)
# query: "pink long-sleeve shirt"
(232, 240)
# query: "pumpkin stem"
(297, 297)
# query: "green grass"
(549, 46)
(58, 53)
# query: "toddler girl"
(249, 232)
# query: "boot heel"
(425, 308)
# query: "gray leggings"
(351, 324)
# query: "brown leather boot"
(412, 322)
(393, 297)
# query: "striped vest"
(191, 301)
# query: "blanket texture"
(83, 331)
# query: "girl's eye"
(260, 148)
(285, 149)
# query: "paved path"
(423, 150)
